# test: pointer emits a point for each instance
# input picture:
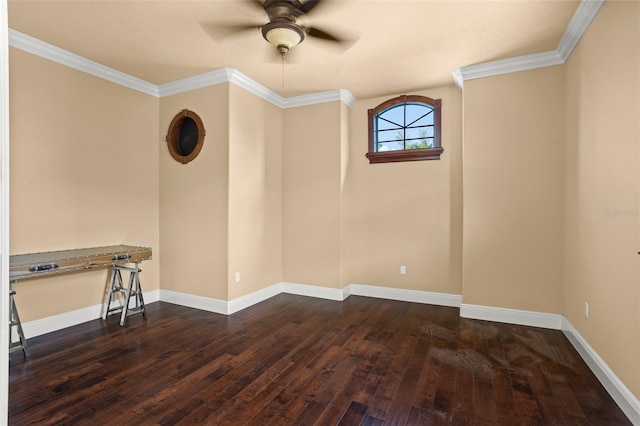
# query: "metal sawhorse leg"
(117, 290)
(14, 321)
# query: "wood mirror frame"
(173, 136)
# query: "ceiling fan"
(282, 30)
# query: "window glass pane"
(420, 131)
(418, 138)
(383, 124)
(414, 133)
(417, 113)
(394, 115)
(425, 120)
(420, 143)
(430, 131)
(390, 135)
(390, 146)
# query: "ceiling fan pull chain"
(282, 70)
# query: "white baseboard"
(511, 316)
(150, 296)
(71, 318)
(415, 296)
(60, 321)
(314, 291)
(220, 306)
(68, 319)
(193, 301)
(236, 305)
(625, 399)
(250, 299)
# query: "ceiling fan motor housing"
(289, 9)
(282, 31)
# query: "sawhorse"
(117, 290)
(14, 322)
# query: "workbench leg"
(139, 293)
(115, 287)
(133, 289)
(14, 321)
(107, 305)
(127, 298)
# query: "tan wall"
(405, 213)
(194, 198)
(255, 193)
(602, 188)
(84, 173)
(311, 194)
(513, 190)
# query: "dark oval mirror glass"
(188, 138)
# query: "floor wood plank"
(296, 360)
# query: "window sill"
(407, 155)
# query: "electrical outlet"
(237, 277)
(403, 270)
(586, 310)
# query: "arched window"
(406, 128)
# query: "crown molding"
(211, 78)
(48, 51)
(458, 79)
(252, 86)
(220, 76)
(341, 95)
(347, 98)
(236, 77)
(506, 66)
(582, 18)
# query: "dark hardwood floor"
(299, 360)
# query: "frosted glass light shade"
(283, 37)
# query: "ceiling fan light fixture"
(283, 35)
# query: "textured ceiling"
(395, 46)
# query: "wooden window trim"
(409, 154)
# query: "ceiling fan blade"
(308, 5)
(258, 4)
(219, 31)
(314, 32)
